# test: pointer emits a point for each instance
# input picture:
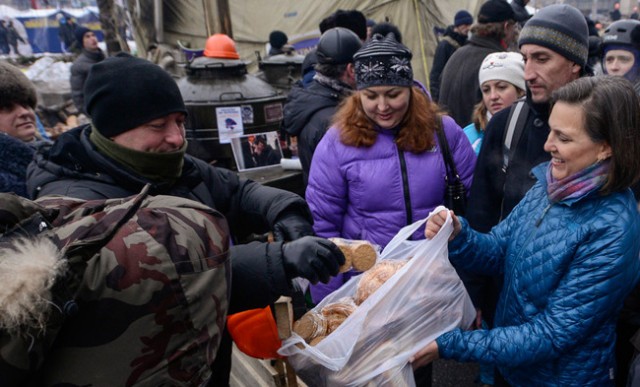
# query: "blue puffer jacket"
(568, 268)
(372, 192)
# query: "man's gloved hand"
(291, 226)
(312, 258)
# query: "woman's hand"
(425, 356)
(435, 223)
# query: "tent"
(40, 26)
(251, 21)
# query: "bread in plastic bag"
(421, 301)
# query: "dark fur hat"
(15, 87)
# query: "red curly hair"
(418, 125)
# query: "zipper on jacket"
(405, 186)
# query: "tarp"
(40, 27)
(253, 20)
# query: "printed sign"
(230, 123)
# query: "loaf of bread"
(336, 312)
(373, 278)
(310, 326)
(359, 255)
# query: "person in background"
(501, 79)
(455, 36)
(615, 15)
(621, 50)
(495, 31)
(554, 44)
(568, 250)
(137, 137)
(386, 28)
(352, 19)
(520, 10)
(278, 41)
(370, 24)
(379, 167)
(66, 34)
(13, 37)
(90, 55)
(635, 15)
(308, 111)
(4, 39)
(17, 128)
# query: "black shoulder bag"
(455, 195)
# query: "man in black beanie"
(90, 54)
(138, 139)
(495, 31)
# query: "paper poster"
(230, 123)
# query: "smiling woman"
(568, 250)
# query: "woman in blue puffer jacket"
(380, 167)
(568, 251)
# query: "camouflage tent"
(251, 21)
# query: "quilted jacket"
(568, 268)
(372, 192)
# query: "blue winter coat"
(372, 192)
(568, 268)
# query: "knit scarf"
(579, 184)
(156, 167)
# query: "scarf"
(337, 85)
(154, 166)
(579, 184)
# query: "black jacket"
(445, 49)
(459, 89)
(307, 115)
(79, 72)
(73, 167)
(494, 193)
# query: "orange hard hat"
(255, 333)
(220, 46)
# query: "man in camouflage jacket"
(137, 138)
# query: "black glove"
(312, 258)
(291, 226)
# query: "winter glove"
(312, 258)
(291, 226)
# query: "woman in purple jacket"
(380, 168)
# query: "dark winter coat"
(447, 46)
(15, 157)
(4, 40)
(459, 89)
(494, 193)
(79, 72)
(307, 115)
(568, 266)
(73, 167)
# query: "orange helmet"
(220, 46)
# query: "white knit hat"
(503, 66)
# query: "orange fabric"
(220, 46)
(255, 333)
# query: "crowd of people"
(546, 148)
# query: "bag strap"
(515, 127)
(449, 164)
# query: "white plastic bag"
(423, 300)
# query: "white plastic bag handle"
(407, 231)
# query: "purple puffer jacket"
(359, 193)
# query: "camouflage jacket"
(122, 292)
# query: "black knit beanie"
(560, 28)
(495, 11)
(277, 39)
(124, 92)
(382, 61)
(15, 87)
(79, 33)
